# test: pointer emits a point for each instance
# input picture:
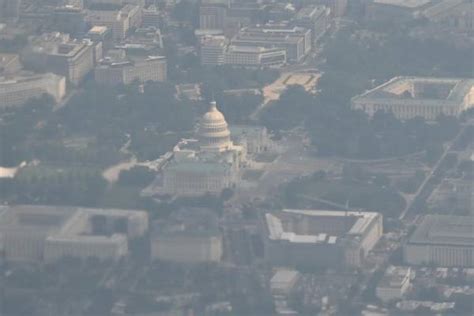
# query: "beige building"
(442, 240)
(58, 53)
(49, 233)
(15, 91)
(320, 238)
(119, 21)
(409, 97)
(297, 41)
(189, 236)
(151, 68)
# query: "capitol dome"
(213, 132)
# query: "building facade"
(442, 240)
(189, 236)
(313, 238)
(152, 68)
(410, 97)
(15, 91)
(59, 54)
(31, 233)
(295, 40)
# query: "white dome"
(213, 132)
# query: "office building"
(69, 19)
(212, 50)
(9, 9)
(295, 40)
(127, 70)
(283, 282)
(395, 284)
(251, 56)
(16, 90)
(451, 14)
(118, 21)
(31, 233)
(59, 54)
(212, 14)
(9, 64)
(442, 240)
(188, 236)
(316, 18)
(314, 238)
(151, 17)
(409, 97)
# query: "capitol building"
(210, 162)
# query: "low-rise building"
(189, 236)
(48, 233)
(283, 281)
(215, 50)
(315, 238)
(128, 70)
(316, 18)
(442, 240)
(295, 40)
(394, 284)
(119, 21)
(16, 90)
(409, 97)
(58, 53)
(250, 56)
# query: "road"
(411, 205)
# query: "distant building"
(119, 21)
(49, 233)
(338, 7)
(9, 64)
(189, 236)
(255, 138)
(453, 14)
(215, 51)
(151, 17)
(283, 282)
(442, 240)
(212, 50)
(9, 9)
(212, 14)
(316, 18)
(125, 71)
(409, 97)
(249, 56)
(58, 53)
(295, 40)
(394, 284)
(16, 90)
(313, 238)
(69, 19)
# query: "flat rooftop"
(38, 218)
(444, 230)
(420, 91)
(355, 225)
